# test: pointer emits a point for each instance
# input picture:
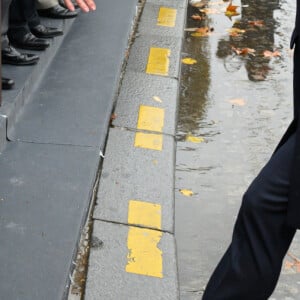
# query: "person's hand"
(85, 5)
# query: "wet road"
(235, 108)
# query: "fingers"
(69, 5)
(85, 5)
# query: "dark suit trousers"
(4, 22)
(22, 14)
(251, 265)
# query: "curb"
(133, 248)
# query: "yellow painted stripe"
(158, 61)
(148, 141)
(151, 118)
(144, 213)
(167, 17)
(144, 257)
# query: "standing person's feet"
(57, 12)
(7, 83)
(27, 41)
(42, 31)
(11, 56)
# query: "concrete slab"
(107, 276)
(139, 53)
(174, 3)
(148, 22)
(139, 89)
(131, 173)
(45, 192)
(74, 102)
(2, 132)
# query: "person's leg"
(251, 266)
(4, 22)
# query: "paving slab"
(154, 91)
(139, 53)
(148, 23)
(74, 102)
(44, 197)
(107, 276)
(131, 173)
(174, 3)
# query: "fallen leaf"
(194, 139)
(235, 31)
(210, 11)
(258, 23)
(189, 61)
(187, 193)
(231, 10)
(270, 54)
(113, 117)
(237, 102)
(202, 31)
(243, 51)
(157, 99)
(196, 17)
(198, 4)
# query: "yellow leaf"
(189, 61)
(187, 193)
(231, 10)
(202, 31)
(194, 139)
(237, 102)
(235, 31)
(157, 99)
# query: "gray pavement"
(53, 126)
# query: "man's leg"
(251, 266)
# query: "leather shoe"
(42, 31)
(57, 12)
(62, 3)
(28, 41)
(7, 84)
(11, 56)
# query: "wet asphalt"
(233, 110)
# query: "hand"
(85, 5)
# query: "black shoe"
(28, 41)
(7, 84)
(62, 3)
(11, 56)
(57, 12)
(42, 31)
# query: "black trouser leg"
(4, 22)
(22, 14)
(251, 266)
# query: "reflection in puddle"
(238, 135)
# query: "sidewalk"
(53, 128)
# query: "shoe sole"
(6, 62)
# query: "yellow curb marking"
(158, 61)
(148, 141)
(144, 214)
(144, 257)
(166, 17)
(151, 118)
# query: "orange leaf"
(202, 31)
(258, 23)
(237, 102)
(196, 17)
(236, 31)
(231, 7)
(268, 53)
(243, 51)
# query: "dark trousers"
(22, 14)
(4, 22)
(251, 265)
